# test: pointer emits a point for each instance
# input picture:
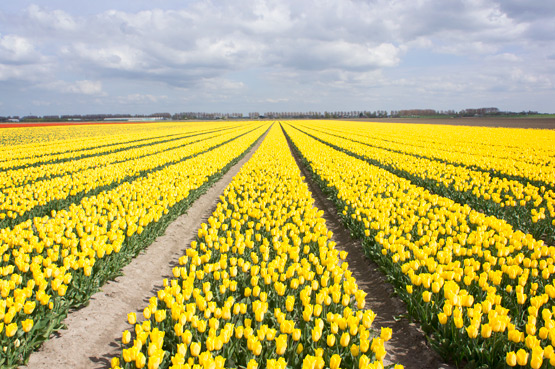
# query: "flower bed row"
(43, 144)
(482, 291)
(520, 154)
(261, 287)
(53, 263)
(20, 203)
(527, 207)
(78, 156)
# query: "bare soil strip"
(501, 122)
(93, 334)
(408, 346)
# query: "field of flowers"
(480, 283)
(461, 220)
(517, 186)
(261, 287)
(68, 228)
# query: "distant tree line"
(205, 116)
(405, 113)
(80, 117)
(324, 115)
(472, 112)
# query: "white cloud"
(57, 19)
(222, 84)
(505, 58)
(21, 61)
(275, 101)
(12, 72)
(86, 87)
(273, 17)
(140, 98)
(314, 55)
(41, 103)
(122, 57)
(18, 50)
(530, 80)
(468, 48)
(83, 87)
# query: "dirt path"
(93, 334)
(408, 345)
(501, 122)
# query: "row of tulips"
(527, 207)
(23, 155)
(39, 143)
(26, 157)
(34, 199)
(482, 291)
(527, 155)
(262, 286)
(20, 172)
(52, 263)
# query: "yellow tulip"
(29, 307)
(147, 312)
(363, 362)
(511, 358)
(132, 318)
(486, 330)
(126, 353)
(281, 344)
(536, 360)
(335, 361)
(521, 357)
(386, 333)
(160, 315)
(290, 303)
(257, 349)
(345, 338)
(195, 349)
(126, 337)
(140, 361)
(354, 350)
(472, 331)
(330, 340)
(11, 329)
(316, 334)
(442, 318)
(26, 325)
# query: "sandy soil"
(539, 123)
(93, 333)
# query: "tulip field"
(73, 215)
(461, 221)
(464, 236)
(261, 287)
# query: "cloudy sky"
(139, 56)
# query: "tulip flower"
(335, 361)
(521, 357)
(11, 329)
